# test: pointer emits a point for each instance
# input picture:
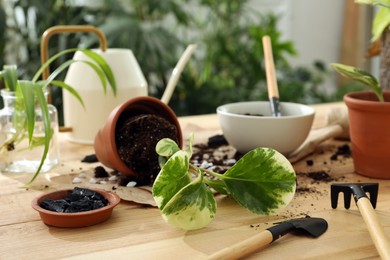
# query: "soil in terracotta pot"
(136, 140)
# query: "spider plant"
(29, 94)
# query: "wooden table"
(138, 232)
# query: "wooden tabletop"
(137, 231)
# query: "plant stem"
(194, 168)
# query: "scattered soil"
(79, 200)
(342, 150)
(136, 140)
(100, 172)
(90, 159)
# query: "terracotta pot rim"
(367, 100)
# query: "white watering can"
(83, 123)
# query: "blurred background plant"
(227, 67)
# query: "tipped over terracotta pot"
(127, 141)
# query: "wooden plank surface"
(138, 232)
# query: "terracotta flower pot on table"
(369, 122)
(105, 144)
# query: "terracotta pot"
(369, 122)
(105, 144)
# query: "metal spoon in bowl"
(273, 92)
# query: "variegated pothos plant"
(263, 181)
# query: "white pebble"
(92, 181)
(230, 161)
(113, 178)
(205, 165)
(131, 184)
(76, 180)
(103, 182)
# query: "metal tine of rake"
(357, 190)
(366, 207)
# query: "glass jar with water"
(17, 154)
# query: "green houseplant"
(30, 105)
(263, 181)
(369, 112)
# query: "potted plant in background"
(369, 112)
(28, 124)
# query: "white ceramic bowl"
(246, 132)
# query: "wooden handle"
(316, 137)
(245, 247)
(66, 29)
(270, 68)
(375, 229)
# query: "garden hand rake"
(366, 207)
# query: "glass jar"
(16, 155)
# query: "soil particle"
(90, 159)
(136, 140)
(100, 172)
(342, 150)
(320, 176)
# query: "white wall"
(315, 27)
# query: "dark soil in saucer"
(78, 200)
(136, 140)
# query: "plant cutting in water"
(263, 181)
(29, 94)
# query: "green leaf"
(263, 181)
(193, 207)
(360, 76)
(381, 22)
(104, 67)
(167, 147)
(29, 100)
(101, 67)
(33, 93)
(49, 61)
(217, 185)
(189, 148)
(10, 76)
(71, 90)
(47, 126)
(172, 178)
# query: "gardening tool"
(336, 126)
(311, 226)
(366, 207)
(273, 92)
(172, 82)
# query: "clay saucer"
(79, 219)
